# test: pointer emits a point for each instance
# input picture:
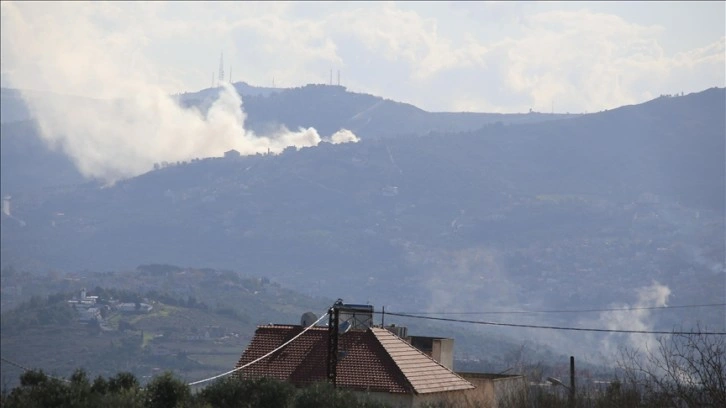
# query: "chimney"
(443, 352)
(439, 349)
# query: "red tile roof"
(373, 360)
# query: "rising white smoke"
(129, 122)
(654, 295)
(344, 136)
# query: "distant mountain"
(28, 165)
(585, 210)
(205, 97)
(330, 108)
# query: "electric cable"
(624, 309)
(260, 358)
(30, 369)
(532, 326)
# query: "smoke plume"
(125, 121)
(655, 295)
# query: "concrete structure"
(438, 348)
(83, 301)
(496, 390)
(232, 154)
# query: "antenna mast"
(221, 68)
(338, 77)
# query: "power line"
(532, 326)
(260, 358)
(30, 369)
(210, 378)
(625, 309)
(421, 316)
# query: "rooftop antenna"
(338, 77)
(221, 68)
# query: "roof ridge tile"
(395, 346)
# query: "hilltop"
(329, 108)
(28, 163)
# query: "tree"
(167, 391)
(681, 370)
(38, 390)
(232, 392)
(123, 381)
(324, 395)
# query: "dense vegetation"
(170, 337)
(166, 391)
(687, 370)
(194, 326)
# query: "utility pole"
(572, 382)
(333, 320)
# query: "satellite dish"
(344, 327)
(307, 319)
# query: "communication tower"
(220, 79)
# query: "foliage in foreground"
(166, 391)
(684, 370)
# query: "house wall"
(493, 391)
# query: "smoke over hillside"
(125, 121)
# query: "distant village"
(89, 310)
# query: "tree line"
(37, 389)
(681, 370)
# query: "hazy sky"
(488, 56)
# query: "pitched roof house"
(373, 360)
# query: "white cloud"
(509, 56)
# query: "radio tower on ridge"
(221, 68)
